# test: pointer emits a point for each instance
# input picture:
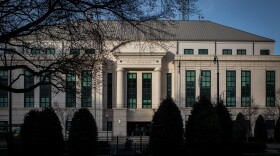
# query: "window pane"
(231, 89)
(86, 88)
(190, 88)
(270, 88)
(205, 87)
(131, 90)
(245, 88)
(147, 90)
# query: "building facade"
(181, 67)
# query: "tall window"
(90, 51)
(203, 51)
(147, 90)
(45, 92)
(270, 88)
(241, 51)
(86, 88)
(190, 88)
(71, 89)
(245, 88)
(188, 51)
(227, 52)
(131, 90)
(109, 90)
(75, 51)
(3, 93)
(35, 51)
(169, 84)
(28, 96)
(205, 84)
(50, 51)
(231, 89)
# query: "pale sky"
(260, 17)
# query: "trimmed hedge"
(203, 130)
(41, 133)
(83, 134)
(239, 128)
(260, 129)
(277, 130)
(167, 130)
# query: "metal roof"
(199, 30)
(210, 31)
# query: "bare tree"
(273, 113)
(30, 30)
(251, 113)
(64, 114)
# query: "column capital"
(120, 69)
(157, 69)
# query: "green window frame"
(245, 88)
(231, 88)
(49, 51)
(270, 88)
(131, 90)
(86, 88)
(3, 93)
(28, 82)
(227, 52)
(147, 90)
(109, 90)
(190, 87)
(35, 51)
(203, 51)
(9, 51)
(45, 92)
(241, 51)
(205, 84)
(264, 52)
(70, 89)
(75, 51)
(89, 51)
(188, 51)
(169, 85)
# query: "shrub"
(239, 128)
(203, 132)
(225, 121)
(41, 133)
(83, 134)
(167, 129)
(277, 130)
(260, 129)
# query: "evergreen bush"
(225, 121)
(277, 130)
(239, 128)
(83, 134)
(41, 133)
(203, 131)
(260, 129)
(167, 129)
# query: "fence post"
(117, 143)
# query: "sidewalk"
(273, 148)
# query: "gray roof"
(210, 31)
(199, 30)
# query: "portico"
(134, 76)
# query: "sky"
(260, 17)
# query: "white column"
(120, 88)
(157, 92)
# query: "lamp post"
(107, 126)
(216, 61)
